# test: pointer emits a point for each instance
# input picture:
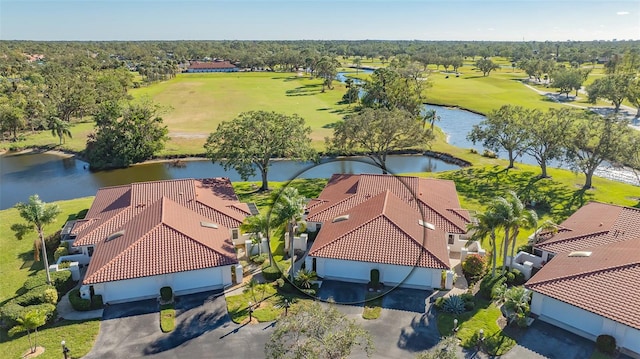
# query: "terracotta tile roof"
(593, 225)
(114, 206)
(604, 283)
(212, 65)
(163, 238)
(382, 229)
(160, 214)
(436, 199)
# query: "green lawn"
(16, 257)
(79, 335)
(199, 102)
(372, 306)
(484, 317)
(167, 318)
(16, 265)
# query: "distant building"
(216, 66)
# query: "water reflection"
(56, 178)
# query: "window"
(234, 233)
(451, 239)
(537, 252)
(90, 251)
(550, 256)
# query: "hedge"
(490, 282)
(11, 311)
(61, 280)
(166, 293)
(34, 296)
(61, 251)
(271, 273)
(606, 343)
(78, 303)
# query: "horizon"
(315, 20)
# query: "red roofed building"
(403, 227)
(144, 236)
(214, 66)
(592, 284)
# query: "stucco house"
(404, 227)
(590, 285)
(144, 236)
(212, 66)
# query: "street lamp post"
(286, 307)
(250, 311)
(65, 350)
(455, 325)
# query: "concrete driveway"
(203, 330)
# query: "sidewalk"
(66, 311)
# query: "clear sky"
(510, 20)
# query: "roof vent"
(340, 218)
(115, 235)
(580, 254)
(209, 225)
(426, 225)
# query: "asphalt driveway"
(203, 330)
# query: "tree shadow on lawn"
(544, 195)
(305, 90)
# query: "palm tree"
(431, 117)
(258, 226)
(546, 226)
(357, 61)
(486, 225)
(522, 218)
(59, 128)
(38, 214)
(516, 301)
(27, 322)
(305, 278)
(289, 211)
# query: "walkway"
(66, 311)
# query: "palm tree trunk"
(513, 245)
(291, 234)
(505, 249)
(269, 252)
(494, 254)
(44, 256)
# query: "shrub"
(64, 264)
(490, 282)
(259, 259)
(453, 304)
(468, 306)
(53, 241)
(473, 266)
(439, 302)
(527, 248)
(375, 278)
(167, 318)
(64, 245)
(279, 282)
(47, 308)
(60, 251)
(489, 154)
(61, 280)
(606, 343)
(467, 297)
(96, 301)
(77, 302)
(35, 296)
(50, 296)
(510, 277)
(271, 273)
(10, 312)
(166, 293)
(518, 277)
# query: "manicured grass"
(268, 310)
(199, 102)
(484, 317)
(167, 318)
(79, 133)
(16, 257)
(372, 306)
(79, 335)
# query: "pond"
(57, 178)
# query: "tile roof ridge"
(440, 214)
(332, 205)
(570, 239)
(122, 253)
(586, 272)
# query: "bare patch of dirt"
(32, 354)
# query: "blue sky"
(512, 20)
